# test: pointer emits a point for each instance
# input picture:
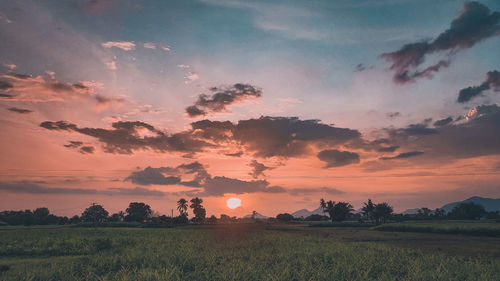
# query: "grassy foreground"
(229, 252)
(487, 228)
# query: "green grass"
(233, 252)
(340, 224)
(476, 228)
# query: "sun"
(233, 203)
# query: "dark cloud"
(306, 191)
(477, 135)
(284, 136)
(150, 176)
(492, 82)
(74, 144)
(443, 122)
(414, 130)
(6, 96)
(473, 24)
(221, 98)
(236, 154)
(30, 187)
(4, 85)
(258, 169)
(126, 137)
(218, 186)
(287, 136)
(337, 158)
(87, 149)
(403, 155)
(394, 114)
(211, 186)
(388, 148)
(19, 75)
(170, 175)
(19, 110)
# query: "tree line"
(139, 212)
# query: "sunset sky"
(278, 103)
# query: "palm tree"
(182, 206)
(322, 204)
(198, 210)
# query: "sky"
(278, 103)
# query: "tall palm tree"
(182, 206)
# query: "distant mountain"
(489, 204)
(305, 213)
(411, 211)
(257, 216)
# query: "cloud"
(124, 45)
(211, 186)
(149, 45)
(111, 65)
(28, 88)
(393, 114)
(4, 85)
(151, 176)
(125, 137)
(258, 169)
(19, 110)
(218, 186)
(285, 136)
(388, 148)
(74, 144)
(221, 98)
(337, 158)
(87, 150)
(30, 187)
(443, 122)
(473, 24)
(482, 110)
(403, 155)
(477, 135)
(492, 82)
(6, 96)
(190, 77)
(307, 191)
(170, 175)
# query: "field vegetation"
(238, 252)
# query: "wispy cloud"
(124, 45)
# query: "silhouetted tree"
(368, 211)
(212, 219)
(182, 207)
(138, 211)
(382, 212)
(337, 211)
(94, 213)
(254, 213)
(424, 212)
(316, 217)
(74, 219)
(116, 217)
(439, 213)
(467, 211)
(286, 217)
(341, 211)
(198, 210)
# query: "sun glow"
(233, 203)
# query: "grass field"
(481, 228)
(243, 252)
